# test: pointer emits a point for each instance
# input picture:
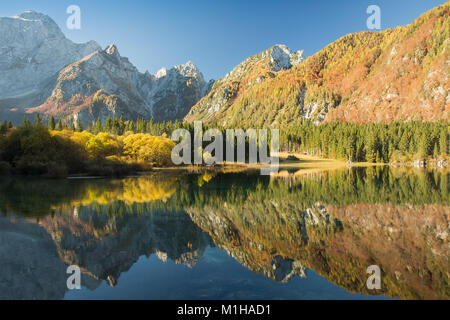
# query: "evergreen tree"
(351, 147)
(59, 126)
(26, 122)
(108, 125)
(129, 126)
(443, 141)
(371, 147)
(79, 125)
(436, 151)
(98, 126)
(424, 145)
(37, 119)
(51, 123)
(121, 125)
(115, 126)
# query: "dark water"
(228, 236)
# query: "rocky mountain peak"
(189, 69)
(281, 57)
(32, 15)
(32, 51)
(252, 71)
(40, 20)
(112, 50)
(161, 73)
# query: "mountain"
(396, 74)
(32, 50)
(105, 84)
(42, 71)
(242, 79)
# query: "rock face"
(32, 50)
(282, 58)
(42, 71)
(175, 91)
(106, 84)
(252, 72)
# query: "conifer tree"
(436, 151)
(79, 125)
(59, 126)
(443, 141)
(108, 125)
(37, 119)
(26, 122)
(98, 126)
(51, 123)
(424, 145)
(121, 125)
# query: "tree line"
(370, 142)
(373, 142)
(36, 149)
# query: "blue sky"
(216, 35)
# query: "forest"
(61, 150)
(115, 147)
(374, 142)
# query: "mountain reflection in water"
(331, 223)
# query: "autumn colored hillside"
(396, 74)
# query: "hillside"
(242, 79)
(396, 74)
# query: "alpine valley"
(392, 75)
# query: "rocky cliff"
(42, 71)
(106, 84)
(32, 50)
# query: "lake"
(300, 234)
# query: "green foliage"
(51, 123)
(368, 142)
(79, 125)
(37, 119)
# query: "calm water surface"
(216, 235)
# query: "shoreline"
(303, 163)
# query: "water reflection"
(335, 223)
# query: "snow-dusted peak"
(161, 73)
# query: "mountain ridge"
(398, 74)
(391, 75)
(70, 82)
